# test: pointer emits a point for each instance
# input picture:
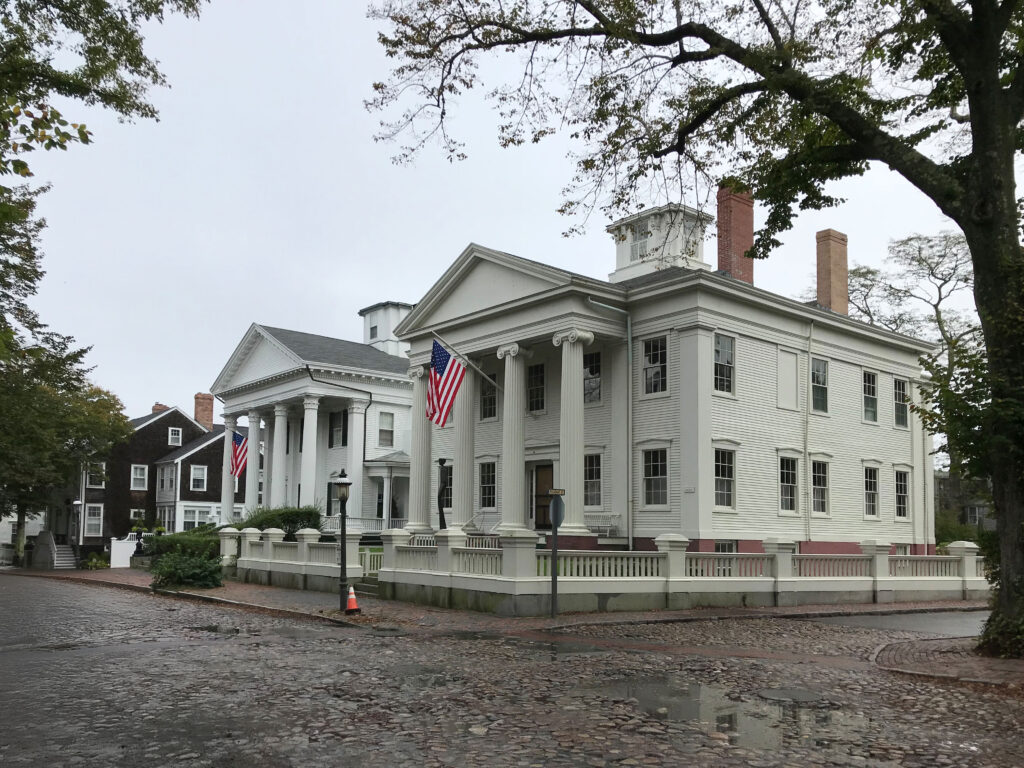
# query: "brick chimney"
(833, 285)
(157, 407)
(735, 233)
(204, 409)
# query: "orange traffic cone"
(353, 606)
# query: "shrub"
(197, 544)
(179, 569)
(288, 519)
(95, 562)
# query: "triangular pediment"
(257, 357)
(482, 280)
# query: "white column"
(252, 462)
(513, 453)
(695, 459)
(356, 434)
(279, 468)
(464, 469)
(570, 428)
(387, 500)
(419, 460)
(268, 458)
(310, 405)
(227, 480)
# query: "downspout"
(354, 389)
(629, 414)
(807, 425)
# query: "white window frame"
(532, 388)
(726, 451)
(494, 483)
(86, 530)
(193, 477)
(900, 406)
(638, 243)
(644, 367)
(385, 436)
(196, 513)
(869, 467)
(145, 477)
(89, 472)
(174, 435)
(593, 396)
(728, 368)
(789, 456)
(593, 481)
(446, 499)
(908, 495)
(974, 511)
(136, 514)
(645, 478)
(488, 394)
(826, 461)
(824, 386)
(866, 397)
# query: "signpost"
(557, 512)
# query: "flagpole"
(468, 361)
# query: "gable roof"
(215, 434)
(144, 421)
(311, 348)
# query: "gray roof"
(397, 457)
(324, 349)
(187, 448)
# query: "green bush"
(95, 562)
(288, 519)
(196, 543)
(180, 569)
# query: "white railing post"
(271, 536)
(519, 554)
(229, 539)
(879, 554)
(305, 537)
(967, 551)
(781, 552)
(249, 535)
(352, 553)
(674, 545)
(395, 537)
(447, 540)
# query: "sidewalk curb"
(926, 675)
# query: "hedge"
(202, 544)
(288, 519)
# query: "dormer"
(669, 236)
(379, 322)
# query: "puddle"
(568, 648)
(217, 629)
(769, 719)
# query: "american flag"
(238, 453)
(446, 374)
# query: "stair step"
(366, 590)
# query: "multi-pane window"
(656, 477)
(160, 475)
(974, 515)
(819, 385)
(488, 398)
(93, 519)
(373, 331)
(445, 480)
(173, 436)
(140, 477)
(725, 477)
(488, 485)
(787, 483)
(386, 430)
(902, 494)
(655, 365)
(535, 387)
(871, 491)
(638, 243)
(380, 498)
(724, 350)
(819, 487)
(337, 429)
(137, 514)
(198, 477)
(870, 396)
(96, 475)
(193, 517)
(900, 396)
(592, 377)
(592, 480)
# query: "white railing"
(323, 554)
(483, 542)
(603, 565)
(416, 558)
(288, 551)
(484, 562)
(371, 561)
(423, 540)
(832, 566)
(256, 549)
(602, 523)
(917, 567)
(704, 565)
(332, 525)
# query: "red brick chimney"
(204, 409)
(157, 407)
(735, 233)
(833, 277)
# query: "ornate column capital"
(280, 410)
(358, 406)
(515, 349)
(230, 420)
(254, 416)
(572, 335)
(417, 371)
(311, 402)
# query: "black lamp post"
(341, 484)
(441, 485)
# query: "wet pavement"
(91, 676)
(950, 624)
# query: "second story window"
(446, 486)
(819, 385)
(592, 480)
(901, 398)
(198, 479)
(535, 387)
(488, 485)
(870, 396)
(488, 398)
(638, 239)
(337, 429)
(96, 475)
(386, 430)
(655, 365)
(140, 477)
(725, 477)
(787, 483)
(871, 491)
(592, 377)
(373, 331)
(174, 436)
(724, 348)
(819, 487)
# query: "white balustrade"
(603, 565)
(832, 566)
(416, 558)
(371, 561)
(483, 542)
(323, 553)
(288, 551)
(423, 540)
(483, 562)
(924, 566)
(706, 565)
(256, 549)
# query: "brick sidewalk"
(947, 657)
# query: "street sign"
(557, 509)
(556, 492)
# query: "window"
(373, 331)
(140, 477)
(380, 498)
(592, 480)
(974, 515)
(171, 472)
(819, 487)
(173, 436)
(871, 491)
(337, 429)
(193, 517)
(592, 377)
(198, 477)
(446, 486)
(386, 430)
(137, 514)
(870, 396)
(96, 475)
(900, 396)
(488, 398)
(819, 385)
(902, 550)
(655, 365)
(902, 494)
(656, 477)
(161, 474)
(535, 387)
(725, 471)
(724, 346)
(488, 485)
(787, 483)
(638, 243)
(93, 519)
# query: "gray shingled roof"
(217, 431)
(324, 349)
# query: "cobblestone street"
(97, 676)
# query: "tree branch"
(711, 109)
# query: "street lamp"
(341, 484)
(441, 485)
(75, 522)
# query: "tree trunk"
(19, 539)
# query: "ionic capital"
(572, 335)
(417, 371)
(230, 422)
(281, 411)
(357, 406)
(311, 402)
(513, 350)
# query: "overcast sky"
(260, 196)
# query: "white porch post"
(387, 501)
(227, 480)
(513, 452)
(280, 455)
(252, 462)
(570, 428)
(419, 461)
(310, 404)
(356, 433)
(268, 459)
(462, 472)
